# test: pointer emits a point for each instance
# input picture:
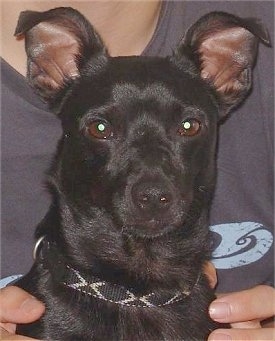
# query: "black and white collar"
(47, 253)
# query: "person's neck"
(126, 27)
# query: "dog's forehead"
(136, 84)
(158, 79)
(155, 91)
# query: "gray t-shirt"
(242, 210)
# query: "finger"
(9, 327)
(210, 271)
(267, 334)
(4, 335)
(268, 323)
(247, 305)
(17, 306)
(255, 324)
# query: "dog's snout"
(151, 197)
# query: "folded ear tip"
(26, 20)
(256, 27)
(18, 33)
(19, 29)
(266, 38)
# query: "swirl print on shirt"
(240, 244)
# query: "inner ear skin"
(225, 56)
(54, 50)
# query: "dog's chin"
(149, 229)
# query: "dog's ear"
(224, 48)
(57, 42)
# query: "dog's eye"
(100, 129)
(189, 127)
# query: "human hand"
(17, 306)
(210, 272)
(244, 310)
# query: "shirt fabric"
(242, 209)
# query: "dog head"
(137, 155)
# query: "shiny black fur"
(131, 208)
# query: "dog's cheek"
(93, 235)
(80, 172)
(198, 156)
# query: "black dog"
(126, 237)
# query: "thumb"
(210, 271)
(18, 306)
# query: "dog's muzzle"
(152, 206)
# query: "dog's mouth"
(140, 232)
(152, 228)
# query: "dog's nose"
(151, 197)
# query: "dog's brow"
(124, 91)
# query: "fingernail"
(219, 337)
(219, 310)
(30, 305)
